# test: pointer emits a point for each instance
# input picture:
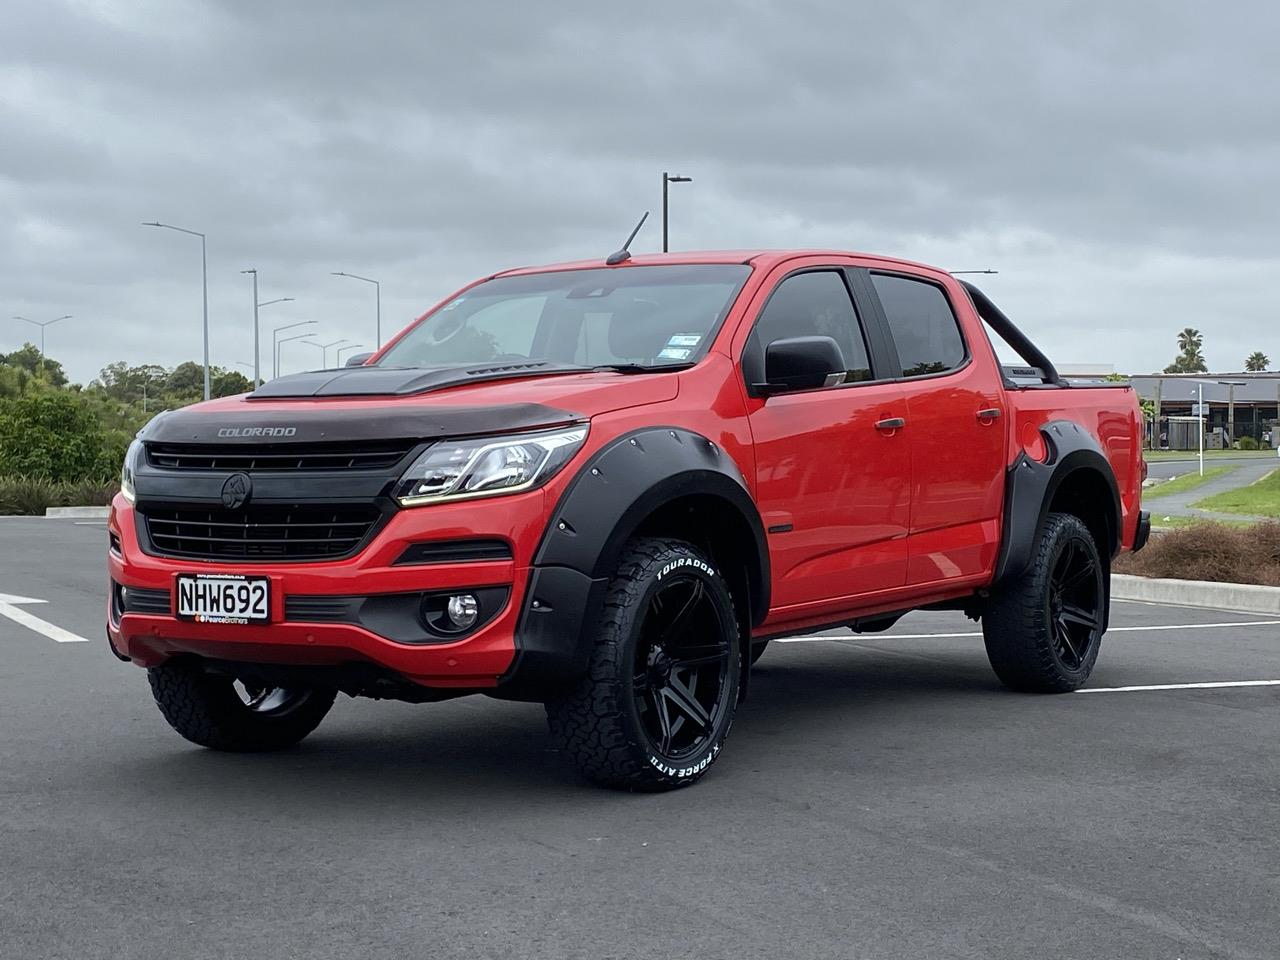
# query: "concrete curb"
(78, 513)
(1247, 597)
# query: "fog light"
(462, 610)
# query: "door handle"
(989, 414)
(891, 423)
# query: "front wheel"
(658, 699)
(1044, 629)
(225, 714)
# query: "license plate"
(224, 598)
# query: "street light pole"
(298, 336)
(42, 324)
(204, 288)
(254, 270)
(257, 378)
(275, 343)
(377, 299)
(349, 346)
(666, 179)
(325, 348)
(957, 272)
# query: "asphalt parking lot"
(880, 797)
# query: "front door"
(832, 468)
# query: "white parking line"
(1208, 685)
(978, 633)
(9, 608)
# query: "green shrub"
(56, 434)
(1247, 443)
(30, 496)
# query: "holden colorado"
(605, 486)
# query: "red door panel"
(843, 485)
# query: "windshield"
(646, 316)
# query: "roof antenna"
(623, 255)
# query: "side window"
(923, 327)
(814, 304)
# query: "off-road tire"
(207, 710)
(1018, 625)
(598, 723)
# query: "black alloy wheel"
(658, 698)
(681, 667)
(1044, 629)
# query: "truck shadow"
(496, 755)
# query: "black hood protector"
(285, 424)
(399, 381)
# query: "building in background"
(1250, 409)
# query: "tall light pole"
(349, 346)
(204, 287)
(275, 343)
(1201, 410)
(257, 379)
(666, 179)
(42, 324)
(324, 350)
(296, 336)
(377, 301)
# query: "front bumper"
(479, 660)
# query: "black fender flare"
(1030, 486)
(612, 494)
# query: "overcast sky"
(1120, 169)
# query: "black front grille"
(281, 457)
(261, 532)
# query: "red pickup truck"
(605, 486)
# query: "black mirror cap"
(358, 359)
(801, 363)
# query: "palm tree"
(1190, 341)
(1257, 361)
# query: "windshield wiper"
(641, 368)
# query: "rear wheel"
(225, 714)
(1043, 631)
(659, 697)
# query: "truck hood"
(465, 409)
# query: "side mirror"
(357, 359)
(801, 363)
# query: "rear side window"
(923, 327)
(815, 304)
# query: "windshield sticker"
(675, 353)
(450, 306)
(685, 340)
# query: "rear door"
(832, 471)
(956, 426)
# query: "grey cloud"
(1115, 163)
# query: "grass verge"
(1210, 551)
(1187, 481)
(1261, 499)
(1153, 455)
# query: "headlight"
(126, 472)
(485, 466)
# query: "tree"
(1189, 359)
(122, 382)
(1257, 362)
(30, 359)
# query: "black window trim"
(873, 299)
(870, 326)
